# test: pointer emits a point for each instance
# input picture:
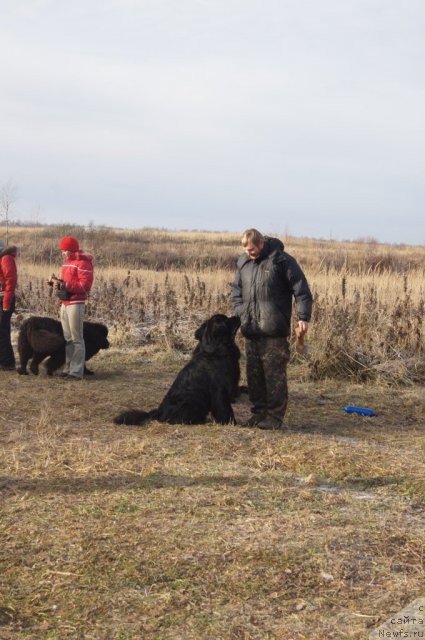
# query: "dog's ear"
(199, 333)
(234, 324)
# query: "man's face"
(252, 250)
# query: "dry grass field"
(210, 532)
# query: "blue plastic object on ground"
(362, 411)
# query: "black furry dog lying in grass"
(41, 338)
(207, 384)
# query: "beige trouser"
(72, 318)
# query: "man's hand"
(300, 331)
(53, 281)
(302, 327)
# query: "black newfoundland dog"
(41, 338)
(207, 384)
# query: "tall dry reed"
(157, 286)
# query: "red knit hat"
(69, 244)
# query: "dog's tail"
(133, 416)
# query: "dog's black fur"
(207, 384)
(41, 337)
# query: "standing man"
(267, 279)
(8, 281)
(73, 288)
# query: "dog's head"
(96, 335)
(217, 332)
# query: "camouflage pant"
(266, 362)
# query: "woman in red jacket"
(73, 288)
(8, 280)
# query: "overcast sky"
(304, 117)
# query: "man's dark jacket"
(263, 289)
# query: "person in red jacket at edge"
(72, 288)
(8, 281)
